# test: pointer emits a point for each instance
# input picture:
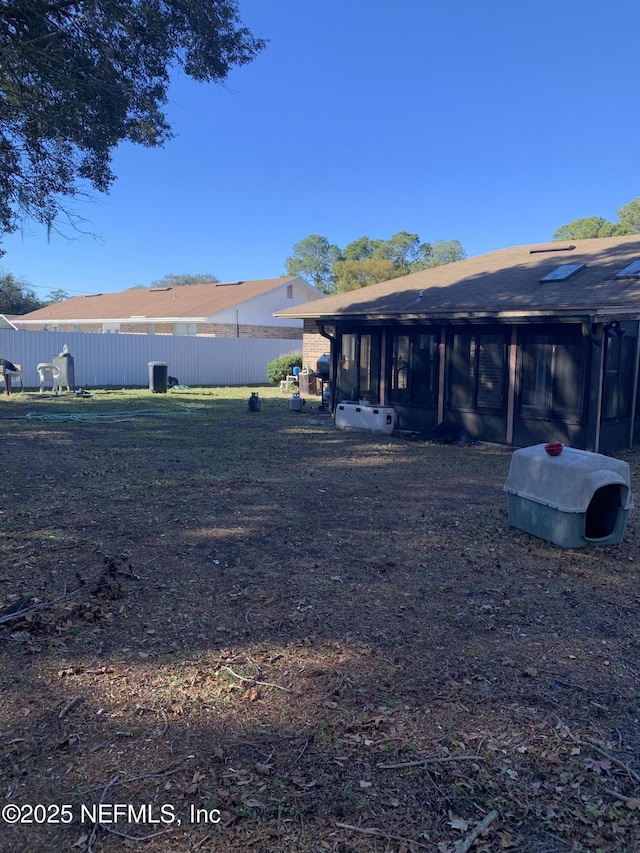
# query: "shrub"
(280, 368)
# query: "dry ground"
(320, 640)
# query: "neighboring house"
(519, 346)
(225, 309)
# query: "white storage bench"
(378, 419)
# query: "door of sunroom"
(359, 367)
(476, 382)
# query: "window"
(400, 360)
(182, 329)
(553, 376)
(359, 367)
(111, 328)
(413, 369)
(477, 372)
(369, 367)
(289, 291)
(618, 377)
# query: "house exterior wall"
(248, 317)
(313, 344)
(256, 310)
(512, 384)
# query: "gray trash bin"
(64, 363)
(158, 377)
(572, 500)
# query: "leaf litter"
(321, 640)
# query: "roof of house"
(502, 284)
(195, 302)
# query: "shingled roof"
(501, 284)
(196, 302)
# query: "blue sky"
(493, 123)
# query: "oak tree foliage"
(367, 261)
(354, 274)
(78, 77)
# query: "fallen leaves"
(407, 673)
(598, 765)
(458, 823)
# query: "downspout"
(634, 395)
(442, 352)
(600, 368)
(333, 375)
(383, 367)
(511, 383)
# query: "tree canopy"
(629, 217)
(595, 226)
(16, 295)
(314, 257)
(80, 76)
(445, 252)
(354, 274)
(58, 295)
(183, 279)
(367, 261)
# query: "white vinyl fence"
(103, 360)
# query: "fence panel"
(104, 360)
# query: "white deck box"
(571, 500)
(377, 419)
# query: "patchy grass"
(319, 640)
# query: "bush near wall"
(280, 368)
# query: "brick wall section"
(228, 330)
(221, 330)
(313, 344)
(64, 327)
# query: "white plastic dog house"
(572, 500)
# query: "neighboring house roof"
(6, 321)
(192, 303)
(502, 284)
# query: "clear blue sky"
(493, 123)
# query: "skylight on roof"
(632, 271)
(563, 273)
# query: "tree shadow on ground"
(320, 634)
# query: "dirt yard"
(249, 631)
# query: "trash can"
(64, 363)
(571, 500)
(307, 384)
(158, 377)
